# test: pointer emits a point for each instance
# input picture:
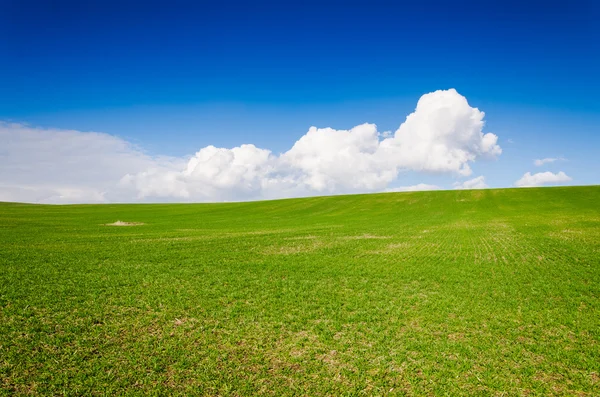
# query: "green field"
(486, 292)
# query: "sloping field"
(488, 292)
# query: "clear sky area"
(129, 101)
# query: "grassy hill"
(486, 292)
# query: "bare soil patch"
(365, 236)
(121, 223)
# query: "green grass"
(489, 292)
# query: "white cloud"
(48, 165)
(540, 162)
(328, 160)
(542, 178)
(212, 174)
(443, 135)
(475, 183)
(414, 188)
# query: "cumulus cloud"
(542, 178)
(414, 188)
(475, 183)
(443, 135)
(328, 160)
(540, 162)
(211, 174)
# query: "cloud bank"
(56, 166)
(542, 178)
(443, 135)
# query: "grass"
(488, 292)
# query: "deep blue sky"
(175, 76)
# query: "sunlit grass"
(492, 292)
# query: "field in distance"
(485, 292)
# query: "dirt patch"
(365, 236)
(296, 248)
(301, 238)
(187, 238)
(121, 223)
(391, 248)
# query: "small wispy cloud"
(542, 178)
(540, 162)
(475, 183)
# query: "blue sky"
(174, 77)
